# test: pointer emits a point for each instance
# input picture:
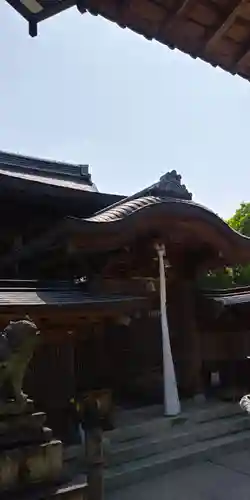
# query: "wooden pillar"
(51, 380)
(90, 412)
(95, 462)
(186, 337)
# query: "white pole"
(171, 397)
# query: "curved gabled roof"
(163, 212)
(165, 218)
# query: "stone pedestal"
(30, 459)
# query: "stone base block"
(22, 437)
(13, 408)
(43, 463)
(30, 464)
(9, 470)
(22, 422)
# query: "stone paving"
(225, 478)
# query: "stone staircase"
(146, 444)
(150, 444)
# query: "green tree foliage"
(239, 275)
(221, 278)
(241, 219)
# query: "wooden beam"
(181, 8)
(184, 7)
(53, 9)
(236, 7)
(168, 23)
(243, 52)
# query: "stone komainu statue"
(245, 403)
(17, 344)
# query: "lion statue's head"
(245, 403)
(17, 344)
(16, 335)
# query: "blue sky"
(87, 91)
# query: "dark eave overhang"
(34, 294)
(35, 11)
(229, 305)
(72, 200)
(47, 182)
(214, 31)
(228, 297)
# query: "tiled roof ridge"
(169, 186)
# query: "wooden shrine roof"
(32, 294)
(168, 219)
(51, 182)
(184, 223)
(217, 31)
(163, 212)
(49, 172)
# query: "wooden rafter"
(183, 25)
(181, 8)
(225, 23)
(243, 52)
(184, 7)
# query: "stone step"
(151, 445)
(146, 468)
(210, 413)
(136, 415)
(138, 431)
(194, 414)
(199, 411)
(135, 451)
(75, 490)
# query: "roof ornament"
(170, 185)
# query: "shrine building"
(113, 284)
